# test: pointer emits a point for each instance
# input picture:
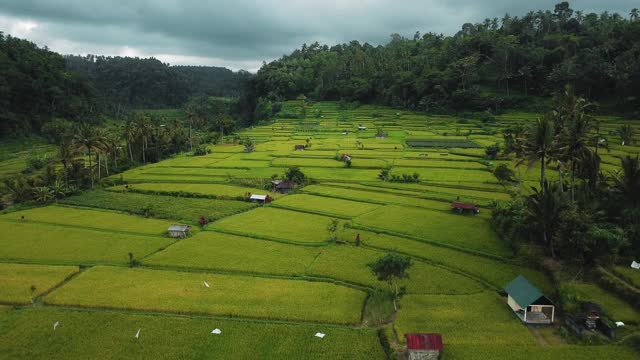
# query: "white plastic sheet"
(206, 284)
(320, 335)
(216, 331)
(635, 265)
(619, 323)
(138, 333)
(55, 325)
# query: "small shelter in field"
(179, 231)
(283, 186)
(461, 207)
(299, 147)
(424, 346)
(361, 127)
(528, 302)
(258, 198)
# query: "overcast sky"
(240, 34)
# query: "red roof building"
(424, 346)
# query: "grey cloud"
(247, 32)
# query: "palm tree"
(85, 139)
(633, 15)
(628, 185)
(574, 137)
(66, 154)
(537, 146)
(626, 133)
(129, 133)
(145, 130)
(543, 209)
(43, 194)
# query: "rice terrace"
(264, 216)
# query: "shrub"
(201, 150)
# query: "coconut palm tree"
(634, 15)
(538, 146)
(129, 132)
(145, 131)
(543, 209)
(66, 153)
(626, 133)
(627, 183)
(86, 139)
(574, 136)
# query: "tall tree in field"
(543, 209)
(392, 268)
(144, 128)
(574, 137)
(66, 153)
(627, 184)
(129, 132)
(538, 145)
(85, 140)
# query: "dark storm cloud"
(242, 33)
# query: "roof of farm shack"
(285, 185)
(524, 292)
(178, 227)
(461, 205)
(424, 342)
(258, 197)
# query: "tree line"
(495, 64)
(587, 216)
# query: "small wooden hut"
(179, 231)
(299, 147)
(461, 207)
(528, 302)
(424, 346)
(283, 186)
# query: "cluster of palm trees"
(569, 138)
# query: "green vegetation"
(21, 283)
(91, 219)
(277, 224)
(473, 233)
(184, 292)
(616, 308)
(83, 334)
(44, 243)
(479, 319)
(218, 191)
(442, 143)
(224, 252)
(324, 205)
(157, 206)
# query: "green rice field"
(101, 264)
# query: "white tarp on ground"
(619, 323)
(216, 331)
(320, 335)
(55, 325)
(206, 284)
(138, 333)
(635, 265)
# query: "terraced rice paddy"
(103, 267)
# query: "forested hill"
(492, 64)
(37, 85)
(125, 82)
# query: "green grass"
(224, 252)
(496, 273)
(158, 206)
(325, 205)
(442, 227)
(91, 219)
(616, 308)
(565, 352)
(33, 242)
(285, 225)
(214, 190)
(349, 263)
(632, 275)
(375, 196)
(110, 335)
(479, 319)
(17, 280)
(228, 295)
(428, 163)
